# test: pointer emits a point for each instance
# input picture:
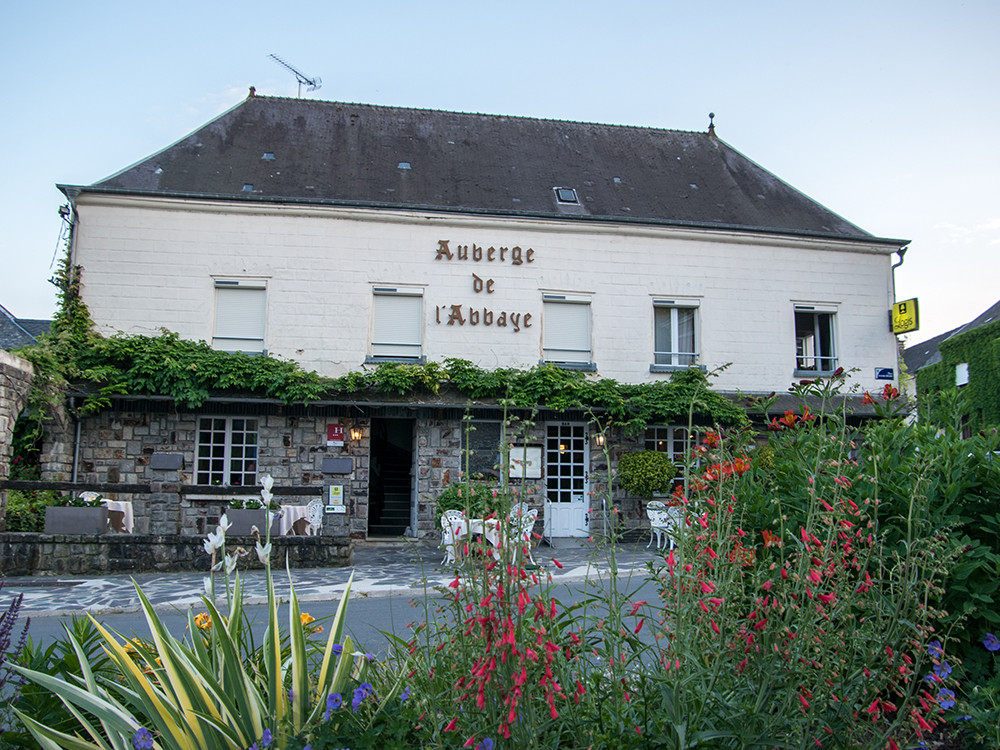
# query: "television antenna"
(314, 83)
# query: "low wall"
(82, 554)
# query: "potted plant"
(245, 514)
(77, 515)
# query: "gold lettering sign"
(516, 255)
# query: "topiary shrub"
(646, 473)
(477, 499)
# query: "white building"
(341, 235)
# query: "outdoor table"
(289, 515)
(489, 528)
(125, 508)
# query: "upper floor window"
(566, 331)
(227, 451)
(397, 323)
(675, 341)
(815, 350)
(240, 314)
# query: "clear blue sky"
(885, 112)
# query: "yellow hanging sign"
(905, 316)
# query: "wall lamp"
(356, 434)
(599, 439)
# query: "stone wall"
(15, 383)
(77, 554)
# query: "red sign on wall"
(335, 434)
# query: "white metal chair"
(660, 523)
(314, 514)
(520, 524)
(451, 532)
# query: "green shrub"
(646, 473)
(26, 510)
(477, 499)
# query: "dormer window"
(566, 195)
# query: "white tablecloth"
(289, 515)
(125, 506)
(489, 528)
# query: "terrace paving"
(380, 568)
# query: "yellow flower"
(203, 620)
(306, 619)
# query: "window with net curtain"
(240, 315)
(674, 334)
(815, 351)
(397, 323)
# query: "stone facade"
(16, 375)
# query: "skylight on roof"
(268, 156)
(404, 165)
(247, 188)
(566, 195)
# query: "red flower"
(889, 393)
(451, 725)
(868, 398)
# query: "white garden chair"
(660, 524)
(520, 524)
(452, 525)
(314, 514)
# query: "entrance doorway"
(390, 477)
(566, 485)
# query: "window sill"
(370, 360)
(813, 373)
(676, 368)
(582, 366)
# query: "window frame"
(396, 292)
(675, 354)
(826, 362)
(227, 448)
(676, 438)
(566, 301)
(243, 285)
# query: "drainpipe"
(76, 450)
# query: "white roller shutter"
(240, 313)
(566, 331)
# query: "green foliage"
(646, 473)
(980, 349)
(26, 510)
(477, 499)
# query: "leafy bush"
(26, 510)
(477, 499)
(646, 473)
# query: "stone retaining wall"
(78, 554)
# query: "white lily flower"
(267, 481)
(224, 523)
(214, 541)
(207, 583)
(263, 552)
(218, 566)
(230, 564)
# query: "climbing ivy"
(980, 348)
(73, 359)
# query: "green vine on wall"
(980, 399)
(75, 360)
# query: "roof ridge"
(477, 114)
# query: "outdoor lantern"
(356, 433)
(599, 439)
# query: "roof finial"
(711, 124)
(253, 92)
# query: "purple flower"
(370, 657)
(266, 738)
(945, 698)
(333, 702)
(359, 696)
(337, 649)
(942, 670)
(486, 744)
(405, 694)
(991, 642)
(142, 739)
(934, 649)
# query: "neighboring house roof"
(18, 332)
(270, 149)
(928, 352)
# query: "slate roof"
(928, 352)
(18, 332)
(273, 149)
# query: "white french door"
(567, 456)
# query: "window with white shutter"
(397, 324)
(675, 335)
(566, 330)
(240, 315)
